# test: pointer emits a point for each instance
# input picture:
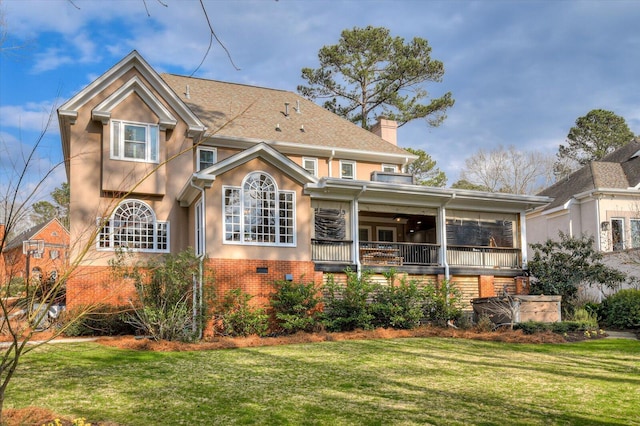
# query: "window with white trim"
(199, 219)
(133, 225)
(207, 157)
(258, 213)
(635, 232)
(617, 233)
(134, 141)
(310, 165)
(389, 168)
(347, 169)
(54, 254)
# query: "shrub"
(15, 287)
(442, 303)
(585, 316)
(532, 327)
(398, 306)
(101, 320)
(484, 324)
(559, 267)
(562, 327)
(295, 306)
(621, 309)
(346, 305)
(164, 309)
(238, 318)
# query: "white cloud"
(29, 117)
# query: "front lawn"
(394, 381)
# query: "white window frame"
(54, 254)
(623, 240)
(366, 229)
(390, 168)
(313, 162)
(393, 230)
(238, 215)
(353, 168)
(199, 228)
(634, 242)
(199, 151)
(118, 142)
(112, 230)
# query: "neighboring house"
(602, 200)
(269, 186)
(36, 252)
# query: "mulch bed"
(214, 343)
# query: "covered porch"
(379, 226)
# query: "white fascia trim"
(607, 191)
(102, 112)
(404, 194)
(313, 150)
(134, 60)
(268, 154)
(189, 193)
(560, 208)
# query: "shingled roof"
(618, 170)
(24, 236)
(250, 112)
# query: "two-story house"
(40, 251)
(266, 184)
(602, 200)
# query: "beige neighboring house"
(602, 200)
(268, 186)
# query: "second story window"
(134, 141)
(310, 165)
(347, 169)
(206, 157)
(389, 168)
(258, 213)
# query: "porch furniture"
(381, 256)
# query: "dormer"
(103, 111)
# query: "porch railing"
(398, 254)
(484, 257)
(326, 250)
(382, 252)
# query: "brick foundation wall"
(256, 277)
(91, 285)
(96, 284)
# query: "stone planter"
(523, 308)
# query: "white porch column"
(442, 238)
(523, 238)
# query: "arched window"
(257, 213)
(133, 225)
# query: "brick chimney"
(387, 130)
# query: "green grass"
(376, 382)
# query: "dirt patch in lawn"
(213, 343)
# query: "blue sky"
(521, 72)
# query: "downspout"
(355, 251)
(330, 161)
(197, 307)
